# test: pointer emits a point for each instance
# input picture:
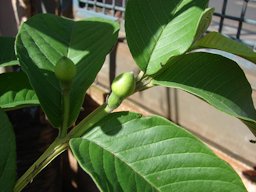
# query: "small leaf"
(15, 91)
(214, 40)
(127, 152)
(44, 39)
(7, 53)
(7, 154)
(157, 30)
(215, 79)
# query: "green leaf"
(7, 154)
(214, 40)
(215, 79)
(44, 39)
(15, 91)
(7, 53)
(157, 30)
(127, 152)
(204, 22)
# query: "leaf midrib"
(163, 27)
(124, 162)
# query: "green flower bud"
(122, 86)
(65, 69)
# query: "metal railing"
(112, 9)
(238, 20)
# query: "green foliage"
(157, 30)
(215, 40)
(44, 39)
(214, 78)
(172, 30)
(15, 91)
(7, 154)
(127, 152)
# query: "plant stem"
(55, 149)
(143, 83)
(89, 121)
(140, 75)
(66, 109)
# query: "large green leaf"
(215, 40)
(127, 152)
(7, 53)
(15, 91)
(7, 154)
(215, 79)
(159, 29)
(44, 39)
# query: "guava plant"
(125, 151)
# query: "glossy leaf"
(127, 152)
(44, 39)
(214, 40)
(215, 79)
(7, 154)
(7, 53)
(15, 91)
(157, 30)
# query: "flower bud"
(122, 86)
(65, 69)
